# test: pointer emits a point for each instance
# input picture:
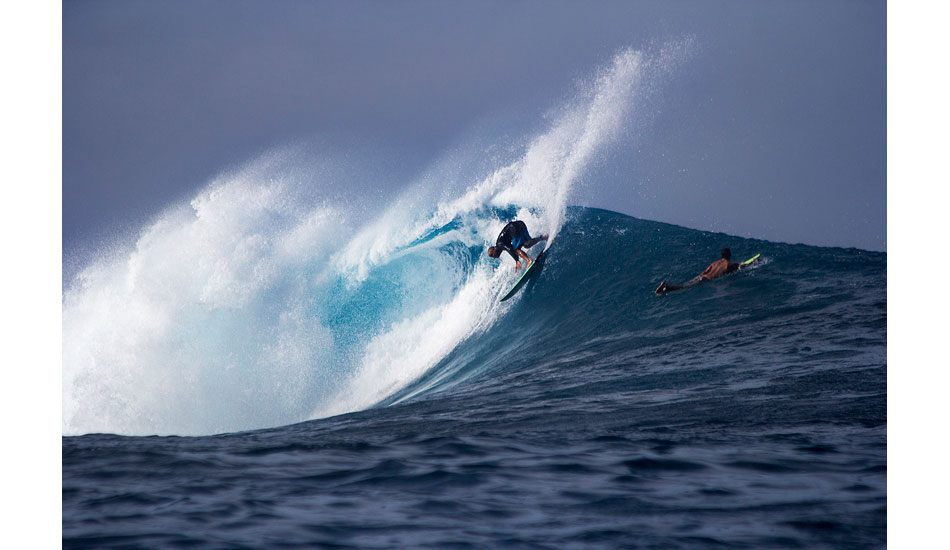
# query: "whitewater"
(272, 364)
(260, 303)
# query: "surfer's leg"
(664, 288)
(693, 282)
(532, 242)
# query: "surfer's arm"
(510, 250)
(524, 256)
(517, 260)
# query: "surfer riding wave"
(513, 238)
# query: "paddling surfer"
(717, 269)
(512, 238)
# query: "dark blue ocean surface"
(748, 412)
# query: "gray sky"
(775, 128)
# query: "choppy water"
(749, 412)
(273, 366)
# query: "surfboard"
(750, 260)
(523, 279)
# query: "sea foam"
(260, 303)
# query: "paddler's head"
(494, 251)
(726, 253)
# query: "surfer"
(512, 238)
(717, 269)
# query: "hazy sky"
(774, 128)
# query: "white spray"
(224, 316)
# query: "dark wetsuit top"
(513, 236)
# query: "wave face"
(368, 389)
(747, 412)
(261, 303)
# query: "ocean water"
(748, 412)
(264, 367)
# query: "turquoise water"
(748, 412)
